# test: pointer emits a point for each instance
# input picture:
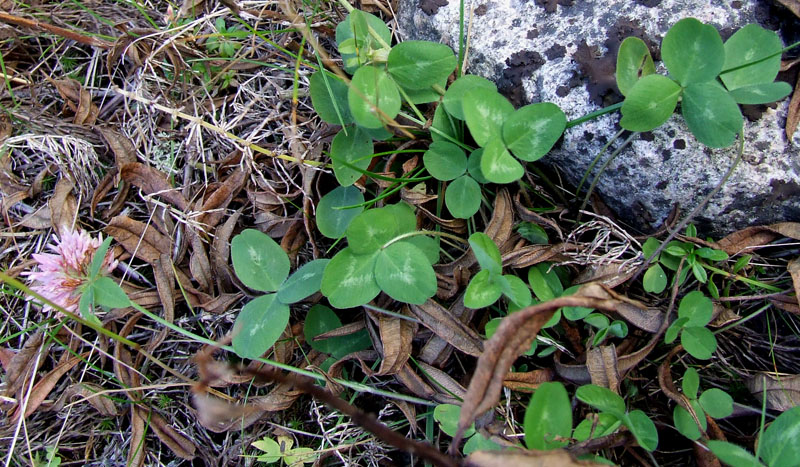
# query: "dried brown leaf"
(445, 325)
(525, 458)
(79, 100)
(794, 270)
(756, 236)
(182, 446)
(512, 337)
(220, 416)
(437, 351)
(124, 153)
(534, 254)
(447, 386)
(42, 388)
(603, 367)
(412, 381)
(63, 207)
(530, 216)
(6, 356)
(527, 381)
(396, 336)
(165, 285)
(21, 366)
(793, 114)
(220, 252)
(152, 182)
(199, 265)
(783, 392)
(417, 195)
(137, 450)
(139, 239)
(792, 5)
(458, 226)
(87, 392)
(215, 205)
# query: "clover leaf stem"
(423, 232)
(697, 210)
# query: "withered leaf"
(153, 182)
(794, 270)
(445, 325)
(793, 114)
(137, 450)
(165, 285)
(63, 207)
(87, 392)
(79, 100)
(447, 386)
(139, 239)
(528, 381)
(220, 416)
(783, 392)
(757, 236)
(458, 226)
(396, 336)
(213, 208)
(436, 351)
(603, 367)
(792, 5)
(199, 265)
(534, 254)
(525, 458)
(512, 337)
(43, 387)
(220, 252)
(182, 446)
(531, 216)
(21, 366)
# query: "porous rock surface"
(564, 51)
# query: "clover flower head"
(60, 276)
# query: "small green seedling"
(486, 287)
(282, 451)
(221, 42)
(694, 314)
(714, 402)
(548, 419)
(612, 405)
(384, 253)
(777, 447)
(446, 415)
(261, 264)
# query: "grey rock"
(564, 51)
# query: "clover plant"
(777, 446)
(446, 415)
(694, 314)
(715, 402)
(709, 78)
(490, 283)
(384, 253)
(262, 265)
(612, 405)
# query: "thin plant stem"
(603, 168)
(697, 210)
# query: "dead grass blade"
(445, 325)
(513, 336)
(523, 458)
(182, 446)
(783, 392)
(153, 182)
(139, 239)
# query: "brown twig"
(59, 31)
(367, 421)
